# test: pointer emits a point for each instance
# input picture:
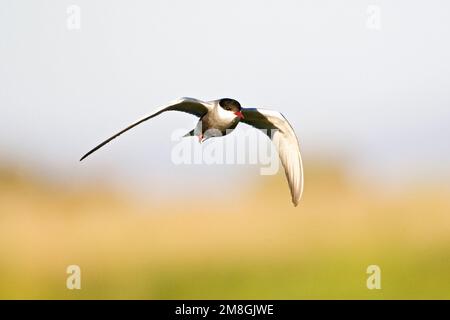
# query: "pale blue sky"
(377, 98)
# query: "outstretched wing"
(189, 105)
(283, 136)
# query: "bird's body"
(220, 117)
(217, 121)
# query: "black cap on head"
(230, 104)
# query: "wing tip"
(296, 200)
(85, 156)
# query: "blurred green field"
(152, 250)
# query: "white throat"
(223, 115)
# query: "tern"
(222, 116)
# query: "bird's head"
(233, 106)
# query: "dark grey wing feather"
(189, 105)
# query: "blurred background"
(363, 83)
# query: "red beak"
(239, 114)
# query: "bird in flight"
(222, 116)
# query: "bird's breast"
(219, 121)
